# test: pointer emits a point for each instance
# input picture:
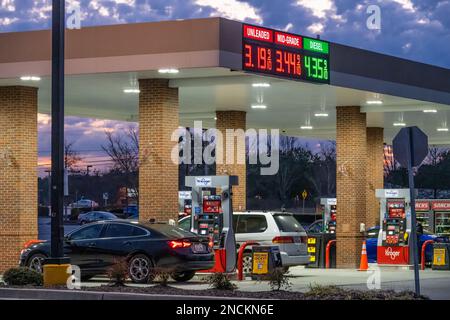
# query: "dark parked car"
(97, 246)
(94, 216)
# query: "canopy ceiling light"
(30, 78)
(168, 71)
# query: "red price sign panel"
(287, 39)
(257, 33)
(211, 206)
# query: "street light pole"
(57, 155)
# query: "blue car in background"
(131, 210)
(94, 216)
(372, 239)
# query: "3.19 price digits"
(262, 56)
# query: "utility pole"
(49, 188)
(88, 167)
(57, 263)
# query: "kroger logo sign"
(203, 182)
(391, 253)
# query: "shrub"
(221, 281)
(161, 275)
(278, 279)
(22, 277)
(320, 292)
(118, 272)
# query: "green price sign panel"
(316, 68)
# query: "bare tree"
(71, 157)
(434, 155)
(322, 175)
(123, 149)
(328, 155)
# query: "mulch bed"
(316, 293)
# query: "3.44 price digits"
(288, 62)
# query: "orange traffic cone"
(364, 265)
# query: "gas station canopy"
(205, 59)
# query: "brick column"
(18, 172)
(375, 174)
(351, 156)
(158, 175)
(233, 120)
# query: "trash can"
(265, 259)
(441, 256)
(317, 243)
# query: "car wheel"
(183, 276)
(140, 268)
(36, 262)
(247, 263)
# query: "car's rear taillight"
(29, 243)
(176, 244)
(283, 240)
(304, 239)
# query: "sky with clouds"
(413, 29)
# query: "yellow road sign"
(304, 194)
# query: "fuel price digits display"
(285, 55)
(270, 60)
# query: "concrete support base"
(55, 274)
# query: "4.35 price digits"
(316, 68)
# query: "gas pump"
(212, 216)
(329, 214)
(395, 229)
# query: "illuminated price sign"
(287, 55)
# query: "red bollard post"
(327, 253)
(240, 257)
(424, 247)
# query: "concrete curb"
(52, 294)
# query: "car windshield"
(170, 231)
(287, 223)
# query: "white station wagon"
(268, 228)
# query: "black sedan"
(144, 246)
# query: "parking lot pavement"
(44, 228)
